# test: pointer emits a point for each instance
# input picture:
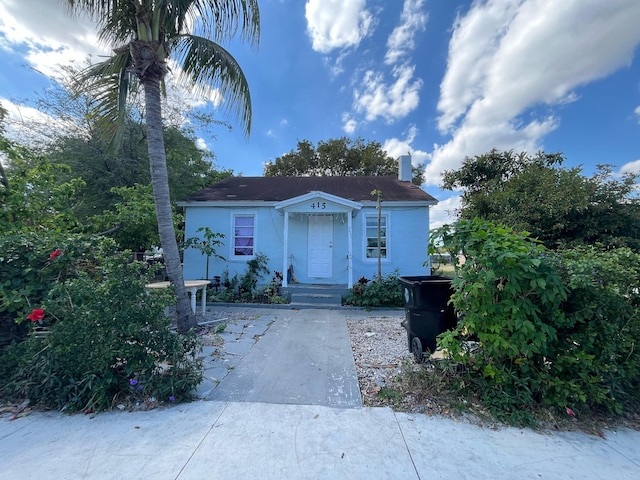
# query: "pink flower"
(36, 315)
(55, 253)
(570, 412)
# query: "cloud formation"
(337, 24)
(401, 42)
(507, 58)
(390, 101)
(391, 95)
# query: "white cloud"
(396, 147)
(388, 101)
(444, 212)
(506, 57)
(637, 112)
(337, 24)
(20, 123)
(52, 38)
(349, 124)
(401, 42)
(476, 138)
(631, 167)
(51, 35)
(201, 144)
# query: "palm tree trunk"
(160, 182)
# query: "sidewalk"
(229, 439)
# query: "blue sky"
(440, 79)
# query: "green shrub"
(554, 329)
(380, 292)
(599, 344)
(109, 341)
(244, 288)
(31, 264)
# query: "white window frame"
(232, 253)
(374, 216)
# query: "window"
(244, 229)
(371, 236)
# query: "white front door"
(320, 246)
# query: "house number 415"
(319, 205)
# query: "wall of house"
(407, 242)
(408, 238)
(269, 239)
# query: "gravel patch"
(379, 345)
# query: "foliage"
(558, 206)
(33, 198)
(244, 288)
(132, 222)
(144, 36)
(256, 269)
(32, 263)
(207, 245)
(107, 335)
(600, 338)
(104, 168)
(339, 157)
(559, 330)
(385, 291)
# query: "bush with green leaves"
(554, 329)
(599, 342)
(385, 291)
(109, 341)
(244, 288)
(31, 263)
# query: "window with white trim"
(244, 235)
(371, 236)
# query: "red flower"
(570, 412)
(55, 253)
(36, 315)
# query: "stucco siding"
(407, 239)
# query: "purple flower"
(133, 381)
(172, 398)
(140, 387)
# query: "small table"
(192, 286)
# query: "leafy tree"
(558, 206)
(32, 198)
(145, 34)
(132, 221)
(103, 168)
(338, 157)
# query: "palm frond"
(218, 19)
(116, 18)
(205, 64)
(109, 84)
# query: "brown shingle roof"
(275, 189)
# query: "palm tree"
(144, 35)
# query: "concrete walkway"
(281, 438)
(304, 359)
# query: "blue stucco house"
(324, 230)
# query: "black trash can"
(427, 312)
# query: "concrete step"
(317, 299)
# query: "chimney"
(404, 168)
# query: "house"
(319, 230)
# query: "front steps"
(316, 296)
